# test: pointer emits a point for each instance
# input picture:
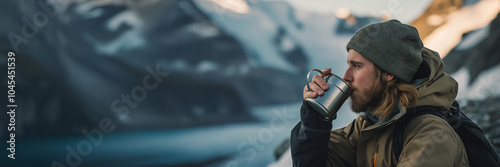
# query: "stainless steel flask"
(329, 103)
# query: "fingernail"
(320, 91)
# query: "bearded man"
(391, 74)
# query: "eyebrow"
(354, 62)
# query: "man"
(390, 73)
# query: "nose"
(347, 76)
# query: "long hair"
(394, 91)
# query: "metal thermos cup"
(329, 103)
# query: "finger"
(311, 94)
(319, 81)
(316, 88)
(308, 94)
(306, 89)
(315, 91)
(326, 71)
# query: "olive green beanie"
(394, 47)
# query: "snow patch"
(207, 66)
(486, 85)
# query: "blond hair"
(394, 91)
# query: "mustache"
(353, 88)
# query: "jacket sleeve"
(314, 144)
(309, 139)
(430, 141)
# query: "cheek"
(363, 85)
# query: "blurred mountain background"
(207, 82)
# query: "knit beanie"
(392, 46)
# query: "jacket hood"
(435, 88)
(439, 89)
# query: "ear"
(388, 77)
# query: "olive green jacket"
(428, 140)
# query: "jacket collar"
(375, 122)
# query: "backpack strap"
(398, 135)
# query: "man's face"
(366, 94)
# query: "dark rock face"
(481, 57)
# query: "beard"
(373, 98)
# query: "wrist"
(312, 119)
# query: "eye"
(355, 66)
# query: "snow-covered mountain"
(89, 60)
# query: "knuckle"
(318, 80)
(314, 87)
